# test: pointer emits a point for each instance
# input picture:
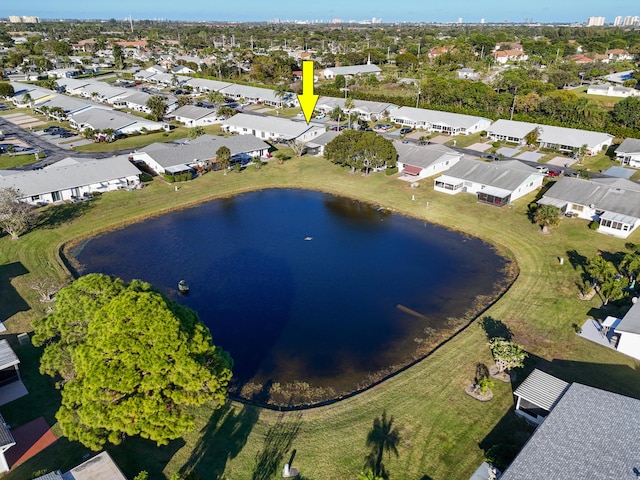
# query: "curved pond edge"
(511, 267)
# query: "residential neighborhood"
(487, 171)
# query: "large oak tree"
(130, 360)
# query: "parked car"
(554, 173)
(405, 130)
(542, 169)
(66, 134)
(321, 115)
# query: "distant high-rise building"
(482, 20)
(595, 21)
(630, 21)
(23, 19)
(459, 19)
(618, 21)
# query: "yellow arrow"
(307, 100)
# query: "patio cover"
(618, 217)
(8, 358)
(495, 192)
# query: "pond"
(315, 296)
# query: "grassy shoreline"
(443, 432)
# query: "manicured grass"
(10, 161)
(443, 432)
(136, 141)
(601, 100)
(597, 163)
(464, 141)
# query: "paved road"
(54, 153)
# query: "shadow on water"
(10, 300)
(277, 444)
(495, 328)
(382, 438)
(353, 210)
(56, 215)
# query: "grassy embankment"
(443, 432)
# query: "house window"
(56, 196)
(613, 225)
(577, 208)
(35, 198)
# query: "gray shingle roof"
(323, 139)
(542, 389)
(507, 175)
(8, 357)
(81, 173)
(193, 112)
(207, 84)
(100, 467)
(364, 106)
(100, 119)
(612, 195)
(629, 145)
(6, 438)
(424, 156)
(590, 433)
(202, 148)
(630, 323)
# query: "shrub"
(500, 456)
(495, 144)
(594, 225)
(485, 385)
(145, 177)
(391, 171)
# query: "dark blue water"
(334, 311)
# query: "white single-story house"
(366, 110)
(425, 161)
(257, 95)
(192, 116)
(272, 128)
(351, 71)
(137, 101)
(204, 85)
(468, 74)
(549, 136)
(436, 121)
(100, 119)
(613, 202)
(33, 93)
(6, 442)
(537, 395)
(628, 152)
(72, 179)
(612, 90)
(200, 152)
(590, 433)
(628, 330)
(496, 183)
(317, 145)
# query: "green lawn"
(135, 141)
(443, 432)
(601, 100)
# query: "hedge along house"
(558, 138)
(72, 179)
(424, 161)
(497, 183)
(612, 202)
(175, 158)
(442, 122)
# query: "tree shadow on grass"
(382, 438)
(10, 300)
(495, 328)
(277, 444)
(222, 439)
(56, 215)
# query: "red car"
(553, 173)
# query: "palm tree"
(27, 99)
(349, 104)
(383, 437)
(547, 216)
(369, 476)
(600, 270)
(215, 97)
(281, 93)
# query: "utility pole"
(513, 106)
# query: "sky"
(471, 11)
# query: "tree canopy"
(131, 362)
(158, 106)
(507, 355)
(16, 217)
(361, 150)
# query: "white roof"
(69, 175)
(8, 358)
(354, 69)
(283, 127)
(435, 117)
(100, 467)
